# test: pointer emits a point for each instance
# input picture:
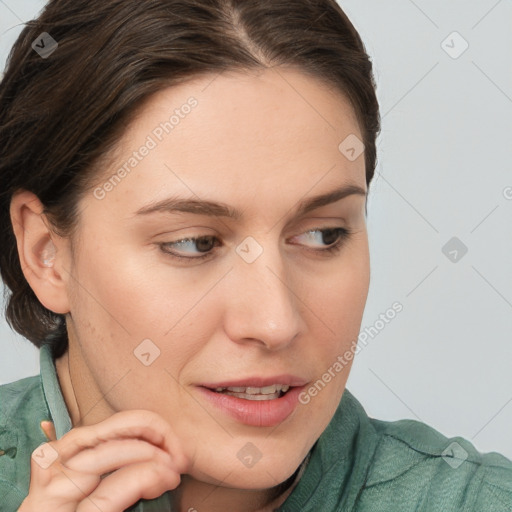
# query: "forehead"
(238, 133)
(270, 106)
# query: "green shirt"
(359, 464)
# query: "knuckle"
(181, 461)
(154, 472)
(173, 480)
(154, 482)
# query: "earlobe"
(42, 253)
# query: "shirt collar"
(339, 461)
(53, 393)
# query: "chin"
(263, 474)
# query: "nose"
(263, 305)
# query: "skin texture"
(259, 142)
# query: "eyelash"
(344, 234)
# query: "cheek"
(119, 285)
(123, 297)
(338, 299)
(336, 311)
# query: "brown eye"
(333, 237)
(203, 244)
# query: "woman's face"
(268, 304)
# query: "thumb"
(49, 430)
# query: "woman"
(183, 214)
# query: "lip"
(256, 413)
(258, 382)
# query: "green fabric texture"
(359, 464)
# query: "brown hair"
(61, 114)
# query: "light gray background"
(444, 168)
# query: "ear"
(44, 255)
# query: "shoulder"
(17, 394)
(364, 464)
(18, 400)
(12, 497)
(418, 463)
(22, 405)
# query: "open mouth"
(252, 393)
(259, 405)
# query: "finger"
(55, 481)
(114, 454)
(141, 424)
(124, 487)
(49, 430)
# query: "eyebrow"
(211, 208)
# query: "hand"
(109, 466)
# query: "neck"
(85, 403)
(62, 367)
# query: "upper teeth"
(267, 390)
